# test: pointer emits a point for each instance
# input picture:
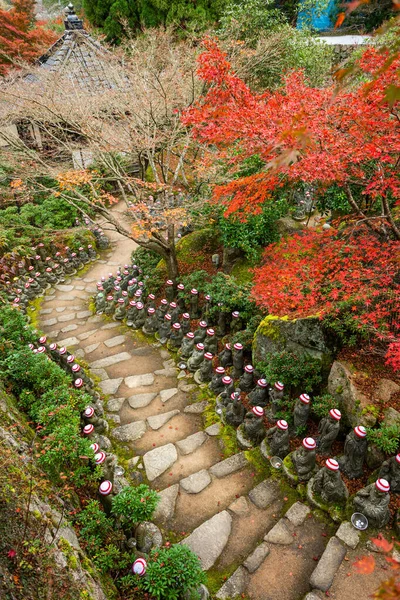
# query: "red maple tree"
(22, 39)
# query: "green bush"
(386, 437)
(95, 526)
(135, 504)
(171, 572)
(299, 372)
(321, 405)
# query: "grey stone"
(240, 506)
(187, 387)
(229, 465)
(169, 363)
(385, 389)
(351, 400)
(324, 573)
(166, 508)
(68, 328)
(235, 586)
(80, 287)
(157, 421)
(130, 432)
(191, 443)
(164, 354)
(110, 326)
(166, 372)
(80, 353)
(91, 348)
(86, 334)
(157, 461)
(49, 322)
(60, 309)
(142, 351)
(197, 408)
(89, 280)
(264, 493)
(347, 534)
(210, 538)
(115, 341)
(83, 314)
(47, 311)
(213, 430)
(71, 341)
(255, 559)
(141, 400)
(139, 380)
(280, 534)
(95, 319)
(64, 288)
(115, 418)
(110, 386)
(181, 375)
(166, 395)
(312, 596)
(115, 404)
(196, 482)
(132, 462)
(100, 373)
(391, 416)
(65, 318)
(108, 361)
(297, 513)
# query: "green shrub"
(171, 572)
(321, 405)
(146, 260)
(387, 437)
(95, 526)
(299, 372)
(135, 504)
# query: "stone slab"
(86, 334)
(130, 432)
(157, 461)
(254, 560)
(115, 418)
(229, 465)
(324, 573)
(71, 341)
(110, 386)
(64, 288)
(191, 443)
(100, 373)
(69, 328)
(115, 341)
(347, 534)
(108, 361)
(60, 309)
(166, 395)
(187, 387)
(298, 513)
(196, 482)
(280, 534)
(139, 380)
(166, 507)
(264, 494)
(197, 408)
(213, 430)
(166, 372)
(95, 319)
(110, 326)
(47, 311)
(91, 348)
(66, 318)
(83, 314)
(49, 322)
(115, 404)
(210, 538)
(240, 506)
(235, 586)
(157, 421)
(141, 400)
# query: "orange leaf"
(383, 544)
(340, 18)
(365, 565)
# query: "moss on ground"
(242, 271)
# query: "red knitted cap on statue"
(139, 566)
(200, 346)
(382, 485)
(78, 382)
(220, 370)
(262, 383)
(305, 398)
(208, 356)
(186, 316)
(258, 411)
(176, 325)
(190, 335)
(168, 317)
(332, 464)
(360, 431)
(226, 380)
(282, 424)
(194, 292)
(309, 443)
(278, 385)
(105, 487)
(88, 412)
(335, 414)
(249, 369)
(210, 332)
(238, 346)
(99, 458)
(88, 429)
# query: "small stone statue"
(187, 345)
(162, 310)
(204, 374)
(235, 411)
(275, 395)
(355, 448)
(164, 330)
(169, 290)
(131, 313)
(176, 337)
(329, 484)
(185, 323)
(211, 341)
(200, 333)
(140, 317)
(120, 311)
(194, 303)
(147, 536)
(216, 384)
(304, 459)
(110, 305)
(228, 389)
(91, 252)
(207, 307)
(225, 357)
(236, 322)
(174, 311)
(238, 360)
(259, 396)
(181, 299)
(106, 495)
(100, 303)
(301, 411)
(390, 471)
(246, 382)
(150, 326)
(196, 359)
(328, 430)
(373, 502)
(253, 426)
(278, 439)
(222, 323)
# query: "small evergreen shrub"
(321, 405)
(386, 437)
(299, 372)
(135, 504)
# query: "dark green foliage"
(135, 504)
(146, 260)
(386, 437)
(95, 526)
(299, 372)
(321, 405)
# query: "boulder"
(385, 389)
(351, 401)
(304, 336)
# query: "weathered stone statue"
(120, 310)
(373, 502)
(200, 333)
(151, 323)
(238, 360)
(169, 290)
(205, 373)
(187, 345)
(110, 305)
(235, 411)
(275, 395)
(185, 323)
(162, 310)
(216, 384)
(236, 322)
(355, 448)
(253, 426)
(140, 317)
(131, 313)
(329, 484)
(197, 358)
(304, 459)
(150, 302)
(91, 252)
(211, 341)
(164, 330)
(106, 495)
(174, 312)
(181, 299)
(100, 302)
(222, 322)
(259, 396)
(246, 382)
(225, 357)
(207, 307)
(301, 412)
(83, 256)
(194, 303)
(176, 337)
(278, 439)
(390, 471)
(228, 389)
(328, 430)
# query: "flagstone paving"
(233, 522)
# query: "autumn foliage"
(22, 39)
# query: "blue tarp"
(317, 18)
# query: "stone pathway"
(210, 503)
